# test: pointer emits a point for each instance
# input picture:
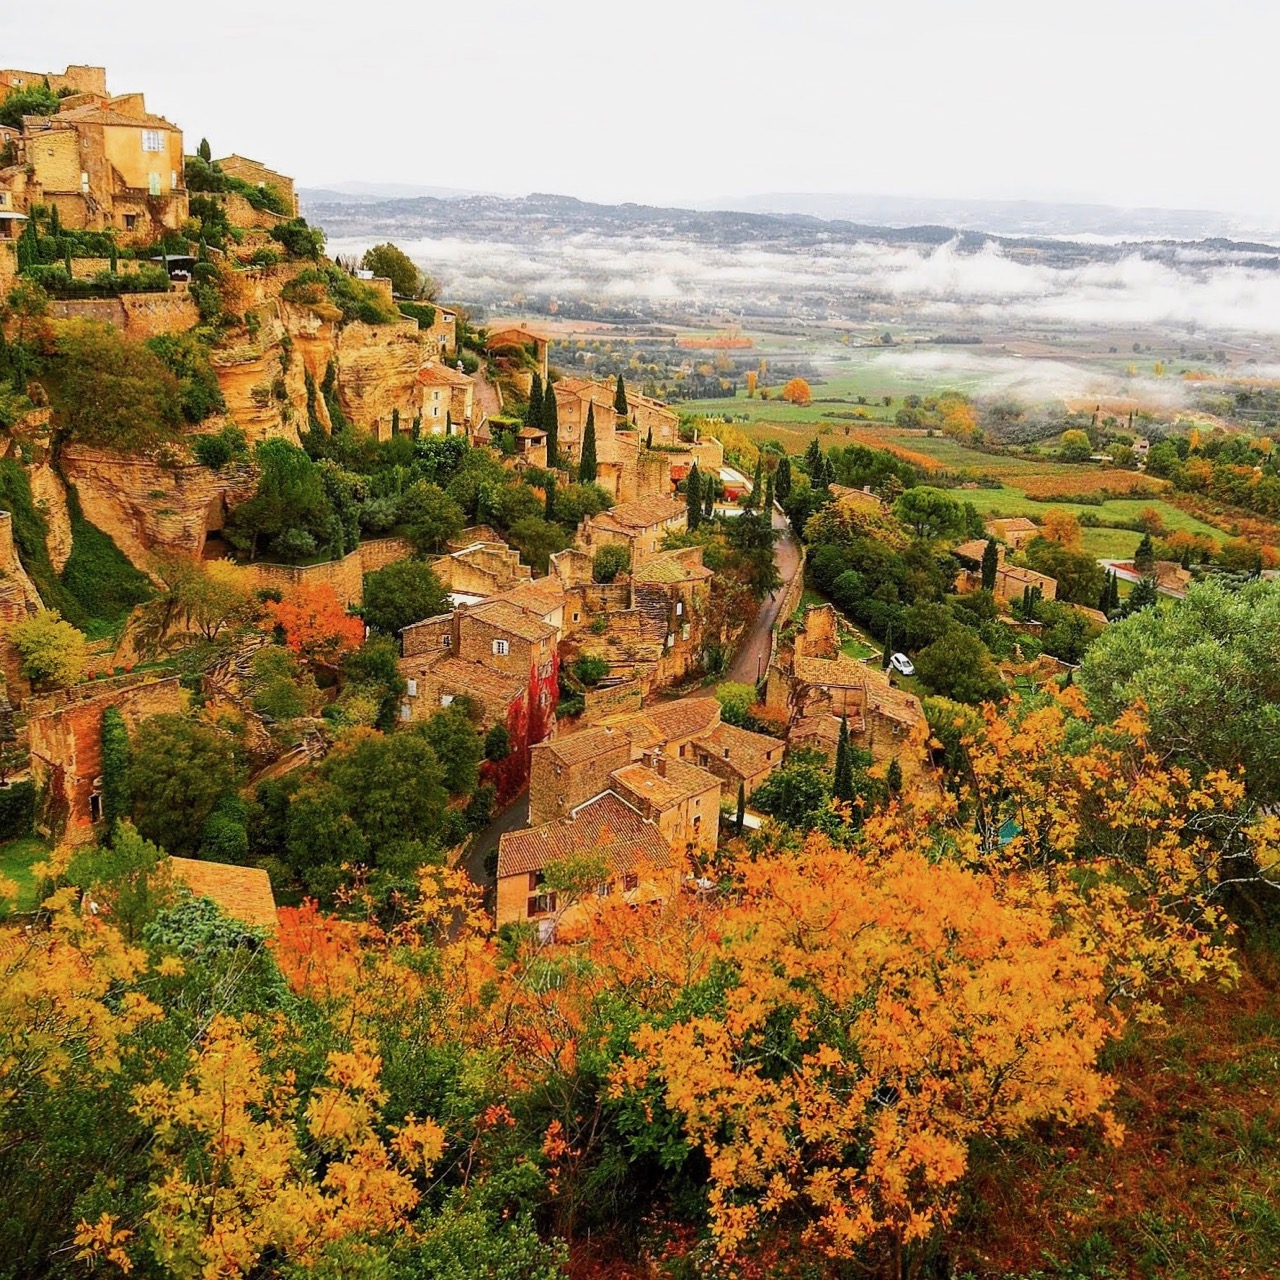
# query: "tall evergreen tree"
(587, 467)
(693, 497)
(742, 805)
(1143, 596)
(549, 511)
(551, 423)
(648, 440)
(767, 509)
(990, 563)
(205, 151)
(783, 484)
(813, 458)
(893, 777)
(842, 787)
(888, 649)
(533, 414)
(620, 399)
(755, 483)
(709, 498)
(1144, 557)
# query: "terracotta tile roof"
(508, 329)
(891, 702)
(630, 517)
(1029, 576)
(243, 893)
(106, 115)
(509, 617)
(972, 550)
(838, 673)
(531, 433)
(854, 497)
(670, 566)
(1014, 524)
(441, 374)
(586, 744)
(538, 595)
(666, 722)
(607, 825)
(681, 782)
(819, 728)
(743, 751)
(466, 677)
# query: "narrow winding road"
(748, 666)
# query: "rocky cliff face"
(147, 508)
(263, 371)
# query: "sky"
(1122, 102)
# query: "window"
(446, 641)
(95, 807)
(684, 632)
(630, 883)
(84, 181)
(153, 184)
(152, 140)
(575, 616)
(435, 410)
(446, 699)
(679, 607)
(501, 648)
(535, 881)
(413, 688)
(405, 712)
(130, 221)
(541, 904)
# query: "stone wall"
(11, 566)
(137, 315)
(618, 699)
(345, 576)
(378, 373)
(65, 729)
(146, 507)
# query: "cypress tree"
(551, 423)
(693, 497)
(990, 563)
(842, 787)
(767, 510)
(549, 511)
(66, 256)
(755, 483)
(587, 467)
(1145, 556)
(55, 222)
(893, 777)
(888, 649)
(1104, 597)
(533, 414)
(648, 440)
(782, 487)
(742, 805)
(709, 498)
(395, 422)
(117, 803)
(205, 151)
(417, 425)
(620, 400)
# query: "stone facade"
(137, 315)
(483, 569)
(639, 526)
(258, 175)
(66, 745)
(566, 772)
(345, 576)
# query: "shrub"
(299, 239)
(423, 312)
(52, 651)
(17, 809)
(215, 451)
(590, 670)
(188, 360)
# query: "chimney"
(662, 766)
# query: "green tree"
(549, 504)
(290, 496)
(842, 785)
(587, 467)
(537, 540)
(620, 397)
(1144, 558)
(127, 878)
(990, 564)
(551, 424)
(797, 793)
(401, 594)
(497, 743)
(392, 263)
(457, 746)
(430, 516)
(928, 512)
(204, 151)
(957, 665)
(693, 497)
(113, 392)
(610, 561)
(742, 806)
(1143, 596)
(38, 100)
(1079, 577)
(533, 411)
(1075, 447)
(52, 652)
(178, 772)
(117, 801)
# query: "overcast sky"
(1120, 101)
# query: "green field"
(17, 857)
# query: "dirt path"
(488, 398)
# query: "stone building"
(74, 80)
(448, 400)
(1016, 531)
(258, 175)
(1012, 580)
(243, 893)
(634, 858)
(106, 163)
(639, 526)
(565, 772)
(519, 337)
(683, 800)
(481, 568)
(738, 757)
(811, 681)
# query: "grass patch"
(30, 533)
(97, 573)
(17, 858)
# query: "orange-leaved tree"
(797, 392)
(1062, 527)
(316, 623)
